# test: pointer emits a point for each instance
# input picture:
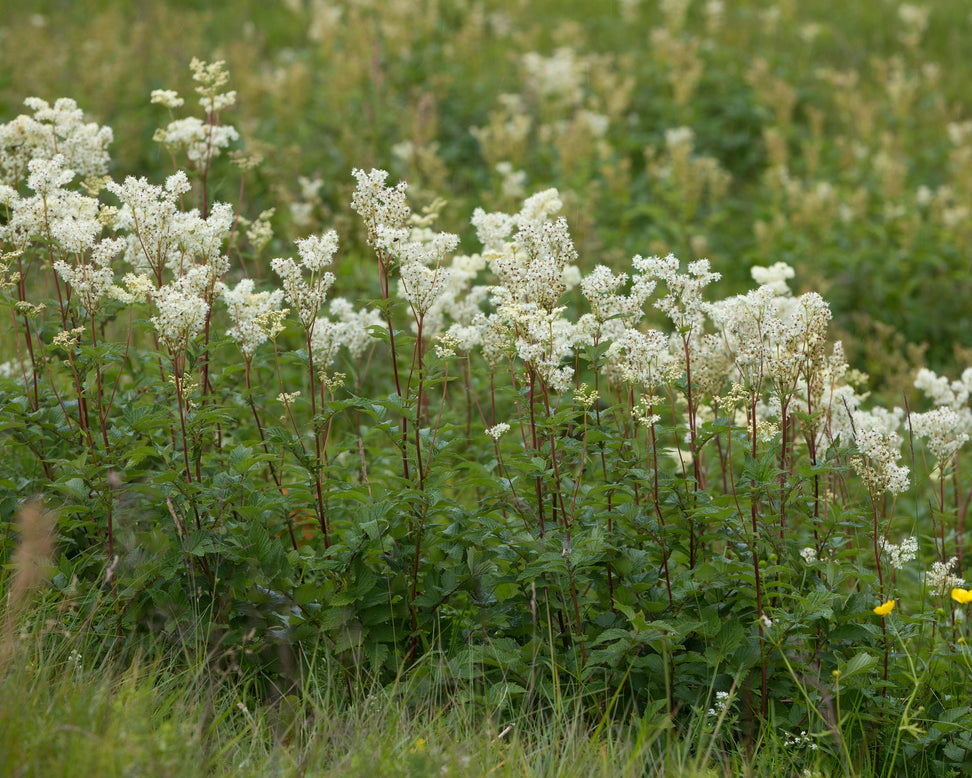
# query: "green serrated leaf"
(859, 663)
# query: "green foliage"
(703, 543)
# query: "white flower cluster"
(612, 313)
(421, 253)
(543, 342)
(720, 703)
(560, 76)
(914, 23)
(642, 358)
(380, 207)
(259, 232)
(181, 314)
(256, 316)
(514, 181)
(766, 334)
(771, 335)
(941, 391)
(683, 304)
(940, 579)
(803, 740)
(167, 97)
(201, 140)
(945, 429)
(899, 554)
(422, 286)
(433, 286)
(163, 238)
(210, 78)
(349, 328)
(138, 288)
(92, 281)
(498, 431)
(774, 277)
(150, 215)
(316, 253)
(879, 443)
(200, 245)
(532, 267)
(461, 301)
(948, 426)
(53, 130)
(64, 217)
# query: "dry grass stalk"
(31, 564)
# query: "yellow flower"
(962, 595)
(884, 610)
(419, 746)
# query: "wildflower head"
(897, 555)
(885, 608)
(316, 253)
(962, 595)
(498, 431)
(256, 316)
(378, 205)
(940, 578)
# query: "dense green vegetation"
(625, 438)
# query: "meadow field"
(485, 387)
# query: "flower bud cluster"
(181, 314)
(257, 316)
(149, 215)
(92, 281)
(880, 449)
(65, 218)
(53, 130)
(316, 253)
(940, 579)
(202, 140)
(348, 328)
(380, 207)
(898, 554)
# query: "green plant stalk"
(106, 487)
(28, 339)
(658, 511)
(877, 563)
(318, 447)
(419, 400)
(247, 364)
(287, 406)
(558, 496)
(384, 266)
(204, 384)
(420, 526)
(693, 445)
(604, 469)
(784, 444)
(536, 447)
(178, 373)
(763, 701)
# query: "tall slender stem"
(318, 447)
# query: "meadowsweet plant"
(553, 471)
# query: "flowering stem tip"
(884, 609)
(962, 595)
